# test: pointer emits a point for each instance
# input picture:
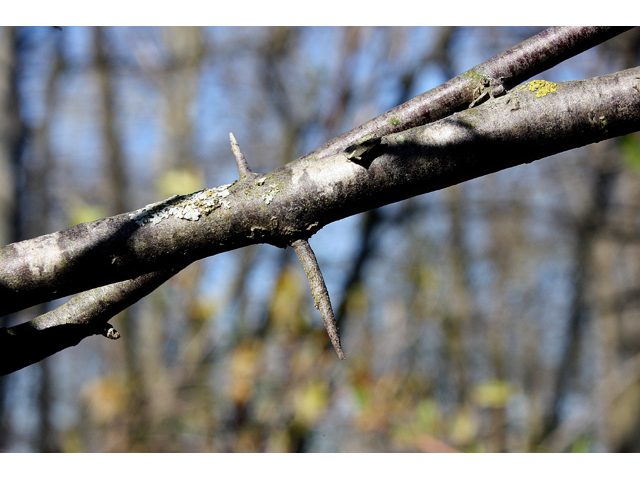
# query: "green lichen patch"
(541, 87)
(188, 207)
(393, 121)
(474, 76)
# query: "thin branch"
(319, 290)
(84, 315)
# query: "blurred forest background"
(498, 315)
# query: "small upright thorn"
(243, 167)
(319, 290)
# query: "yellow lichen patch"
(541, 87)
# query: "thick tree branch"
(522, 61)
(298, 199)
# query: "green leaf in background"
(83, 213)
(630, 147)
(492, 394)
(180, 182)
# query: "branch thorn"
(243, 167)
(319, 290)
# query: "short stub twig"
(319, 290)
(110, 332)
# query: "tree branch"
(288, 205)
(513, 66)
(298, 199)
(520, 62)
(82, 316)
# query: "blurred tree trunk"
(38, 175)
(588, 226)
(151, 387)
(595, 314)
(461, 325)
(616, 284)
(11, 141)
(135, 415)
(180, 323)
(11, 135)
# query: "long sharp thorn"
(319, 291)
